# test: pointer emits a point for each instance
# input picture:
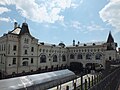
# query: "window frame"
(72, 56)
(43, 58)
(14, 47)
(32, 49)
(55, 59)
(14, 61)
(63, 58)
(32, 61)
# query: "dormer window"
(26, 41)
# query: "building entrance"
(76, 66)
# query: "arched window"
(55, 58)
(71, 56)
(42, 59)
(63, 58)
(89, 56)
(25, 63)
(79, 56)
(98, 57)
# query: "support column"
(81, 82)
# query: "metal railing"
(110, 82)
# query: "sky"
(55, 21)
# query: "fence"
(100, 81)
(110, 82)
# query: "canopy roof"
(37, 79)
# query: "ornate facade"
(20, 52)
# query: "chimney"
(73, 42)
(15, 25)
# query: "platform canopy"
(37, 81)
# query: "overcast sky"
(53, 21)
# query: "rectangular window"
(14, 48)
(9, 49)
(26, 40)
(32, 49)
(0, 47)
(14, 61)
(31, 60)
(4, 47)
(25, 51)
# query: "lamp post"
(5, 63)
(50, 57)
(59, 57)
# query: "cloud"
(46, 11)
(75, 5)
(5, 19)
(76, 25)
(94, 27)
(4, 9)
(111, 14)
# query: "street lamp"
(59, 57)
(50, 57)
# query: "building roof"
(61, 44)
(24, 29)
(16, 31)
(21, 30)
(37, 79)
(88, 44)
(110, 38)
